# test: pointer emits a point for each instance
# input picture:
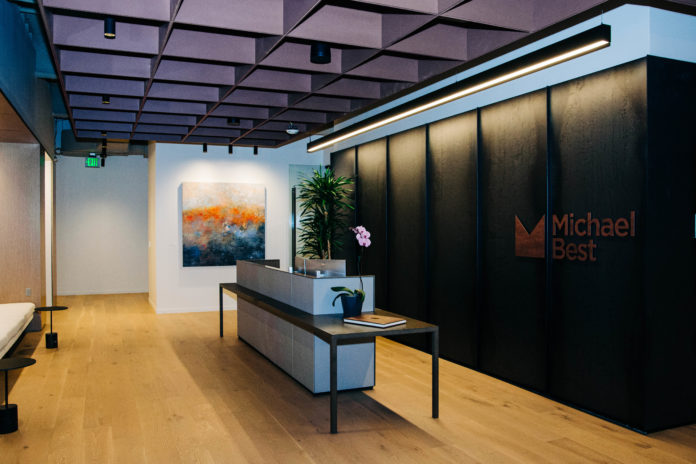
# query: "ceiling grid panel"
(240, 71)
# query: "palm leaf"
(323, 206)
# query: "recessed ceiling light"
(292, 129)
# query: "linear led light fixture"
(572, 47)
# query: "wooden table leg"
(221, 311)
(436, 375)
(334, 387)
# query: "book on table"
(374, 320)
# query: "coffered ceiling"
(179, 69)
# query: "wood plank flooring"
(130, 386)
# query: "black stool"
(51, 337)
(9, 421)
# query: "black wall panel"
(452, 148)
(513, 183)
(670, 247)
(598, 167)
(372, 213)
(406, 234)
(343, 164)
(604, 321)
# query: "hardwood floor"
(130, 386)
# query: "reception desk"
(304, 356)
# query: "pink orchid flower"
(362, 236)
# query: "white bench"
(14, 318)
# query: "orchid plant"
(362, 235)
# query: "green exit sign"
(91, 162)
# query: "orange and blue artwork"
(222, 222)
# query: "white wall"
(180, 289)
(672, 35)
(636, 31)
(48, 226)
(101, 226)
(151, 223)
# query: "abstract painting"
(222, 223)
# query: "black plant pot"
(352, 305)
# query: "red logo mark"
(529, 245)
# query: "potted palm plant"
(323, 206)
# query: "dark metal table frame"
(331, 329)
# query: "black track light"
(256, 150)
(103, 147)
(320, 53)
(205, 148)
(229, 149)
(106, 99)
(232, 121)
(109, 28)
(103, 133)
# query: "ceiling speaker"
(320, 53)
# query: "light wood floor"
(129, 386)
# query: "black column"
(372, 212)
(343, 164)
(598, 158)
(406, 215)
(452, 235)
(513, 204)
(670, 246)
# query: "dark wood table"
(331, 329)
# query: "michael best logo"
(573, 237)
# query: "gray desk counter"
(298, 351)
